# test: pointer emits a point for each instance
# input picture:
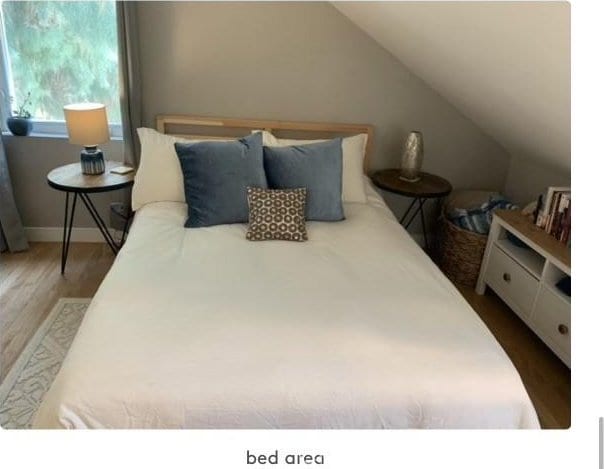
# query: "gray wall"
(303, 61)
(527, 178)
(30, 159)
(293, 61)
(506, 65)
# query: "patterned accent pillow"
(276, 214)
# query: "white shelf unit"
(529, 259)
(525, 278)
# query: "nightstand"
(69, 179)
(429, 186)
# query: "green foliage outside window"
(62, 53)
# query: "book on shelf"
(554, 215)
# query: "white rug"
(29, 379)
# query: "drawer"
(511, 282)
(552, 320)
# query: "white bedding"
(356, 328)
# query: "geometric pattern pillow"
(276, 214)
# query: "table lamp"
(87, 125)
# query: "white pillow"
(353, 154)
(159, 175)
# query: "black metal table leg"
(427, 187)
(99, 222)
(67, 230)
(411, 205)
(421, 206)
(70, 180)
(68, 225)
(419, 210)
(126, 223)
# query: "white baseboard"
(47, 234)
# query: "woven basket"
(461, 253)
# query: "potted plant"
(20, 122)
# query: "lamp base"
(92, 161)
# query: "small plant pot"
(20, 126)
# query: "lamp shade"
(86, 123)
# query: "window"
(59, 53)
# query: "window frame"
(40, 127)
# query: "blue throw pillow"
(216, 177)
(315, 166)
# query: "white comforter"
(356, 328)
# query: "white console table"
(525, 278)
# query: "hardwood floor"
(545, 377)
(31, 284)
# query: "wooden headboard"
(196, 127)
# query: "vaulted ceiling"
(505, 65)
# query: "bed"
(356, 328)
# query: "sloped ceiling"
(505, 65)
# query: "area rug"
(26, 384)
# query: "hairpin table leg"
(419, 209)
(126, 223)
(402, 220)
(67, 229)
(99, 222)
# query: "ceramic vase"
(412, 157)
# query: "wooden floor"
(545, 377)
(31, 284)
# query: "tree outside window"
(61, 53)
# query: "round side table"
(429, 186)
(69, 179)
